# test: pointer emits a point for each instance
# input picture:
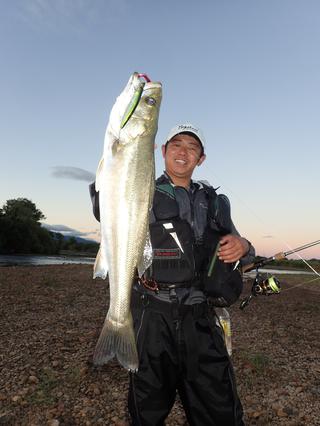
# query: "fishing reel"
(264, 285)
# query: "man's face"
(182, 155)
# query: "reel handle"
(245, 302)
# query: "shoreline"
(51, 318)
(89, 258)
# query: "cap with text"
(187, 128)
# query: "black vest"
(182, 257)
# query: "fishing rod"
(268, 285)
(278, 256)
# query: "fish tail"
(117, 341)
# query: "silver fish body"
(125, 181)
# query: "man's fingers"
(230, 249)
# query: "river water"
(279, 271)
(25, 260)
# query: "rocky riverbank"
(51, 317)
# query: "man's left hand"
(232, 248)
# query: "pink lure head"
(145, 77)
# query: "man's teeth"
(181, 161)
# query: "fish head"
(144, 119)
(135, 112)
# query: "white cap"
(189, 128)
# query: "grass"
(73, 375)
(259, 360)
(44, 391)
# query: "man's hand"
(232, 248)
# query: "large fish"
(125, 181)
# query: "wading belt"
(155, 286)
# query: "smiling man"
(182, 153)
(180, 350)
(180, 346)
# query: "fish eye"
(150, 101)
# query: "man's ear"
(163, 149)
(201, 159)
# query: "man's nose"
(182, 150)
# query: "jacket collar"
(194, 185)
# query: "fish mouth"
(148, 83)
(141, 84)
(152, 92)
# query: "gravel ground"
(51, 317)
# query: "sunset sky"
(245, 71)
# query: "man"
(179, 348)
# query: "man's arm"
(95, 201)
(233, 247)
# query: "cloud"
(75, 173)
(75, 15)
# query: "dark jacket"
(195, 214)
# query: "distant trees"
(72, 245)
(296, 263)
(290, 263)
(21, 231)
(22, 209)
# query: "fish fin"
(115, 147)
(146, 258)
(117, 341)
(99, 174)
(100, 269)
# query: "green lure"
(213, 260)
(132, 106)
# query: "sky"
(245, 71)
